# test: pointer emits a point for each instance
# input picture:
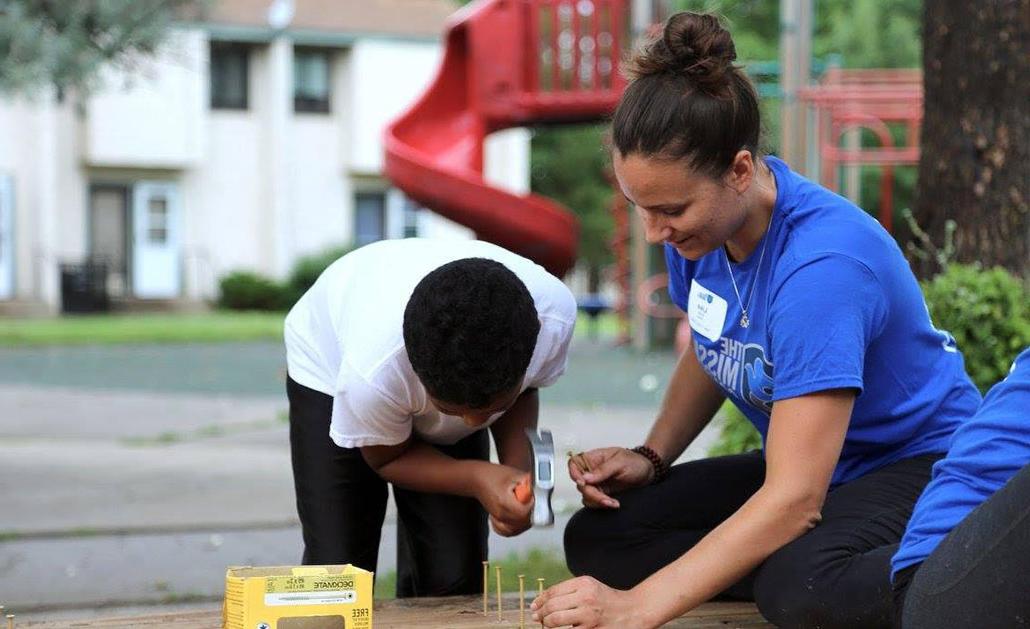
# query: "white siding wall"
(154, 117)
(385, 79)
(236, 212)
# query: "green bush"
(307, 269)
(243, 290)
(738, 434)
(987, 312)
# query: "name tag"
(706, 311)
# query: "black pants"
(977, 577)
(341, 501)
(835, 576)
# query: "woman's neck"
(760, 201)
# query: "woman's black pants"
(835, 576)
(341, 501)
(978, 577)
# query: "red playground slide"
(508, 63)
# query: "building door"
(156, 238)
(109, 234)
(6, 237)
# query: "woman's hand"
(495, 490)
(586, 603)
(611, 470)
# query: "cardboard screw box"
(297, 597)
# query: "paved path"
(145, 492)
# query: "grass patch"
(535, 563)
(122, 329)
(204, 432)
(606, 326)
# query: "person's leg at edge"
(976, 577)
(837, 576)
(442, 539)
(656, 524)
(341, 501)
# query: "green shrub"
(987, 312)
(307, 269)
(243, 290)
(738, 434)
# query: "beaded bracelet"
(661, 468)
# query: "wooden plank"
(463, 612)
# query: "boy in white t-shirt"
(398, 357)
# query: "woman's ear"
(742, 171)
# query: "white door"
(6, 237)
(156, 238)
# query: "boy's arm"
(509, 430)
(419, 466)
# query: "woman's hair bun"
(693, 44)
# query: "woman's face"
(693, 212)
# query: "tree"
(64, 44)
(976, 131)
(568, 165)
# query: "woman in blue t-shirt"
(963, 561)
(804, 313)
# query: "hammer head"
(542, 446)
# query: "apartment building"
(252, 139)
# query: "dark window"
(311, 80)
(411, 211)
(229, 69)
(369, 217)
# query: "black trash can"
(84, 287)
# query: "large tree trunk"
(975, 162)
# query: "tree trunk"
(975, 162)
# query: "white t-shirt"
(344, 338)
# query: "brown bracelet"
(661, 468)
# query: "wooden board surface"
(431, 613)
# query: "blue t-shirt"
(985, 453)
(835, 305)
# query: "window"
(229, 69)
(311, 80)
(411, 211)
(369, 217)
(157, 221)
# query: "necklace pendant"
(744, 321)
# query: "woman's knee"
(789, 595)
(584, 535)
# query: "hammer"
(542, 446)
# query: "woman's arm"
(690, 402)
(805, 438)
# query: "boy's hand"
(612, 470)
(496, 492)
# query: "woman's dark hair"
(686, 99)
(470, 329)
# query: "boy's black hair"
(470, 328)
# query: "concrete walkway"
(121, 497)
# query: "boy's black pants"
(441, 539)
(835, 576)
(977, 577)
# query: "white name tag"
(706, 311)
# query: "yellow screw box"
(298, 597)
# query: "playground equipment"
(508, 63)
(511, 63)
(848, 100)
